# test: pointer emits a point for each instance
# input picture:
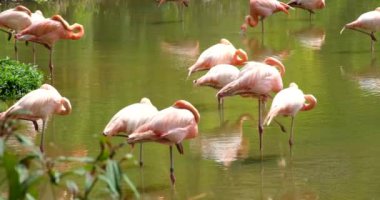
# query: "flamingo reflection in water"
(312, 37)
(226, 143)
(184, 50)
(181, 2)
(259, 51)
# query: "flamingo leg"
(281, 126)
(291, 140)
(262, 25)
(260, 127)
(34, 53)
(172, 177)
(141, 155)
(16, 54)
(42, 136)
(51, 67)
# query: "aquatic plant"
(26, 172)
(17, 79)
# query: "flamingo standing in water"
(257, 80)
(48, 31)
(218, 77)
(15, 20)
(262, 9)
(39, 104)
(288, 102)
(221, 53)
(130, 118)
(169, 126)
(369, 21)
(309, 5)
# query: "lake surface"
(132, 49)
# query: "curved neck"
(23, 9)
(76, 31)
(251, 21)
(312, 102)
(66, 105)
(186, 105)
(276, 63)
(240, 57)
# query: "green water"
(132, 49)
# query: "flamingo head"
(321, 4)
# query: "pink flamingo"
(256, 80)
(367, 21)
(48, 31)
(288, 102)
(262, 9)
(15, 20)
(169, 126)
(39, 104)
(128, 119)
(184, 2)
(221, 53)
(309, 5)
(218, 77)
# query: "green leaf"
(112, 177)
(132, 186)
(15, 189)
(23, 172)
(76, 159)
(72, 187)
(2, 147)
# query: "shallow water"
(132, 49)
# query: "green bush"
(17, 79)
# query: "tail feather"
(272, 113)
(137, 137)
(227, 90)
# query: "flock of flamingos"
(142, 122)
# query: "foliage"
(17, 79)
(25, 172)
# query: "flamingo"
(218, 77)
(48, 31)
(130, 118)
(169, 126)
(39, 104)
(222, 53)
(257, 80)
(262, 9)
(15, 20)
(309, 5)
(184, 2)
(367, 21)
(288, 102)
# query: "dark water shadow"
(166, 22)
